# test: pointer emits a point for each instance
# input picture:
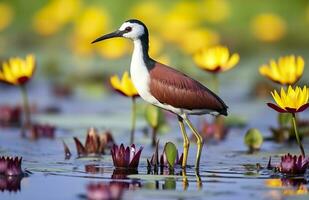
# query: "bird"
(166, 87)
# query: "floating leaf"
(171, 153)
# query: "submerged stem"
(26, 108)
(297, 136)
(133, 118)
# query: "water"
(227, 171)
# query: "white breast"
(140, 74)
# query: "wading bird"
(166, 87)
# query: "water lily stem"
(26, 108)
(215, 80)
(297, 136)
(154, 136)
(133, 118)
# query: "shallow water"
(226, 172)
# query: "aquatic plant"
(292, 101)
(216, 130)
(286, 71)
(126, 157)
(253, 139)
(168, 158)
(126, 88)
(10, 166)
(10, 183)
(18, 72)
(291, 164)
(156, 119)
(94, 145)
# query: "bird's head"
(132, 29)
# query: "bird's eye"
(128, 28)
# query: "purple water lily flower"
(126, 157)
(293, 164)
(10, 183)
(10, 166)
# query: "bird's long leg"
(199, 142)
(186, 142)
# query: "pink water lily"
(292, 164)
(10, 166)
(126, 157)
(104, 191)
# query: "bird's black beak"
(108, 36)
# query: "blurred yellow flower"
(155, 45)
(183, 16)
(194, 40)
(18, 71)
(124, 86)
(148, 12)
(113, 49)
(268, 27)
(54, 15)
(286, 71)
(215, 11)
(216, 59)
(164, 59)
(91, 23)
(6, 15)
(292, 101)
(301, 190)
(274, 183)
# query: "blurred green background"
(59, 33)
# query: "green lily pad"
(171, 153)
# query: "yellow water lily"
(17, 71)
(292, 101)
(286, 71)
(268, 27)
(216, 59)
(124, 86)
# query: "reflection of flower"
(286, 71)
(124, 86)
(95, 143)
(10, 166)
(216, 59)
(292, 101)
(268, 27)
(10, 115)
(104, 191)
(42, 131)
(18, 71)
(126, 157)
(10, 183)
(298, 186)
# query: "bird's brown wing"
(172, 87)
